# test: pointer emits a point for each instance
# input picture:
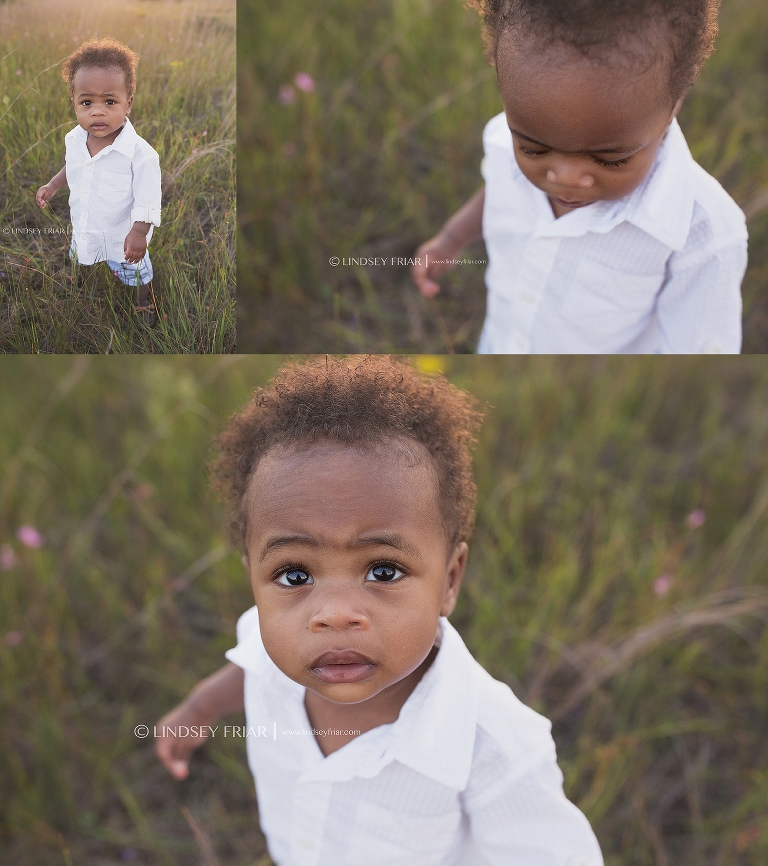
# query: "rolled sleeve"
(146, 190)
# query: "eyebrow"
(81, 95)
(613, 149)
(381, 539)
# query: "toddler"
(112, 173)
(373, 735)
(603, 235)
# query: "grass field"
(616, 581)
(373, 160)
(185, 108)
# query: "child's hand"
(175, 752)
(44, 193)
(431, 263)
(135, 246)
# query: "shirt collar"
(125, 142)
(662, 206)
(435, 732)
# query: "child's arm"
(464, 227)
(135, 245)
(147, 195)
(212, 698)
(525, 818)
(50, 189)
(699, 307)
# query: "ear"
(678, 106)
(457, 562)
(130, 103)
(246, 563)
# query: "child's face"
(582, 132)
(349, 565)
(101, 100)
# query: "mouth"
(98, 126)
(572, 204)
(342, 666)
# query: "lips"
(566, 203)
(342, 666)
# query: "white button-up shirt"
(110, 191)
(466, 776)
(657, 271)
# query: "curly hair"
(359, 402)
(102, 53)
(592, 26)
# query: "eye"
(529, 152)
(294, 577)
(614, 164)
(384, 572)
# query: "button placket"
(535, 269)
(310, 808)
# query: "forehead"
(337, 493)
(99, 80)
(572, 103)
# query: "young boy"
(112, 173)
(603, 235)
(373, 735)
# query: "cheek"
(622, 182)
(282, 636)
(408, 635)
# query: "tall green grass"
(594, 479)
(185, 108)
(388, 145)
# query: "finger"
(179, 769)
(429, 288)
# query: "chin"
(344, 693)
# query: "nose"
(569, 173)
(337, 610)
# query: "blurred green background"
(384, 143)
(617, 582)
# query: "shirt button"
(307, 843)
(713, 348)
(528, 297)
(578, 861)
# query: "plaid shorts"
(132, 275)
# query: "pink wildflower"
(287, 95)
(304, 81)
(289, 148)
(7, 557)
(13, 638)
(697, 518)
(30, 537)
(662, 585)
